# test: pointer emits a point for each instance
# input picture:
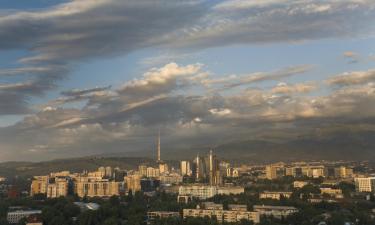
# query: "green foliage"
(132, 210)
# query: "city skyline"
(81, 78)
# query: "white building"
(365, 184)
(15, 216)
(232, 215)
(230, 190)
(207, 191)
(198, 191)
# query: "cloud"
(13, 103)
(352, 78)
(259, 22)
(58, 38)
(352, 56)
(166, 57)
(161, 80)
(233, 81)
(220, 112)
(283, 88)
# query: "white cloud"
(352, 78)
(283, 88)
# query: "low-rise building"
(300, 184)
(198, 191)
(212, 205)
(275, 211)
(14, 217)
(230, 216)
(161, 215)
(230, 190)
(275, 194)
(208, 191)
(333, 192)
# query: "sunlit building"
(133, 182)
(232, 215)
(84, 186)
(365, 184)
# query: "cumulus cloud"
(161, 80)
(352, 78)
(283, 88)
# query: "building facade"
(365, 184)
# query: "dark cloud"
(73, 32)
(65, 35)
(111, 116)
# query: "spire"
(159, 159)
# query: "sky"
(85, 77)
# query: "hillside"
(73, 165)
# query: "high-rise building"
(365, 184)
(170, 178)
(149, 185)
(85, 186)
(142, 170)
(133, 182)
(119, 174)
(152, 172)
(213, 169)
(163, 167)
(101, 171)
(108, 172)
(185, 168)
(52, 187)
(271, 172)
(39, 185)
(199, 169)
(59, 187)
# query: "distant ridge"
(73, 165)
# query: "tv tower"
(158, 159)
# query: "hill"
(73, 165)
